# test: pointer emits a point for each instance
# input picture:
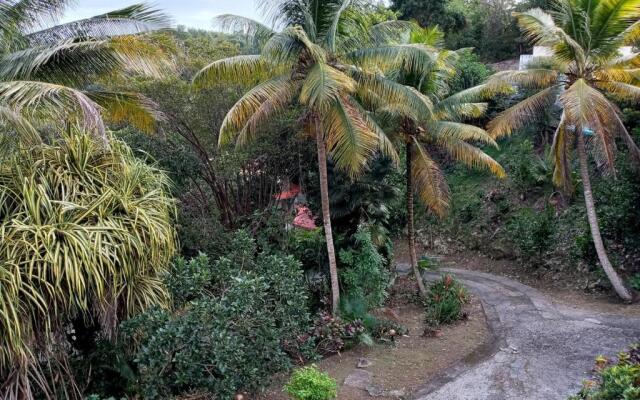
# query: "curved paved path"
(540, 351)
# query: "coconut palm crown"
(48, 71)
(586, 69)
(442, 130)
(324, 60)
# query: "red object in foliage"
(304, 218)
(289, 194)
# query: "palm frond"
(256, 31)
(287, 45)
(561, 152)
(445, 130)
(54, 102)
(480, 93)
(324, 85)
(12, 121)
(349, 138)
(454, 111)
(24, 15)
(249, 104)
(245, 70)
(428, 181)
(387, 91)
(269, 109)
(623, 91)
(522, 113)
(73, 61)
(413, 58)
(539, 27)
(133, 108)
(332, 32)
(631, 35)
(586, 107)
(385, 145)
(135, 19)
(470, 155)
(528, 78)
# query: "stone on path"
(364, 363)
(360, 379)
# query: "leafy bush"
(445, 300)
(228, 332)
(94, 225)
(532, 231)
(309, 383)
(471, 72)
(615, 380)
(363, 273)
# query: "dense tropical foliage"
(326, 61)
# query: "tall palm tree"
(327, 64)
(48, 71)
(442, 129)
(585, 70)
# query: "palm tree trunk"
(411, 234)
(615, 280)
(326, 218)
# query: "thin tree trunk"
(615, 280)
(411, 234)
(326, 217)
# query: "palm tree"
(441, 129)
(327, 64)
(48, 72)
(585, 69)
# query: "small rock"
(364, 363)
(403, 269)
(396, 393)
(360, 379)
(375, 391)
(593, 321)
(432, 332)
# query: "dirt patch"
(412, 360)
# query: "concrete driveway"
(540, 351)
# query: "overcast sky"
(192, 13)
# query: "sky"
(192, 13)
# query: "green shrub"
(634, 281)
(619, 380)
(445, 301)
(532, 231)
(229, 337)
(363, 272)
(187, 279)
(471, 72)
(309, 383)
